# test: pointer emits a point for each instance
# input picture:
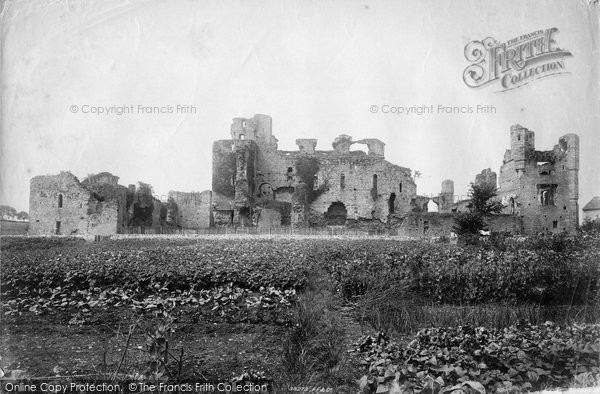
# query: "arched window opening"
(60, 200)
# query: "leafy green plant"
(520, 358)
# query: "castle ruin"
(254, 184)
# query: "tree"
(482, 204)
(480, 195)
(7, 212)
(591, 226)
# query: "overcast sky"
(316, 67)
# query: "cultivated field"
(303, 314)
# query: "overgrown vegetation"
(552, 270)
(591, 227)
(314, 351)
(465, 359)
(306, 169)
(297, 288)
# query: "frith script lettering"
(516, 62)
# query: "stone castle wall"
(193, 209)
(541, 186)
(60, 204)
(433, 224)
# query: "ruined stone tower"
(541, 186)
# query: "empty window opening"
(374, 189)
(546, 194)
(391, 203)
(60, 201)
(342, 181)
(544, 168)
(400, 187)
(563, 145)
(242, 136)
(290, 174)
(425, 226)
(315, 182)
(555, 224)
(57, 228)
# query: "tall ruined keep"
(538, 189)
(256, 184)
(541, 187)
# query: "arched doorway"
(432, 206)
(391, 203)
(336, 214)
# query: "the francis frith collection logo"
(516, 62)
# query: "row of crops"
(259, 280)
(39, 270)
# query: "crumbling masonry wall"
(193, 209)
(61, 204)
(249, 172)
(541, 187)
